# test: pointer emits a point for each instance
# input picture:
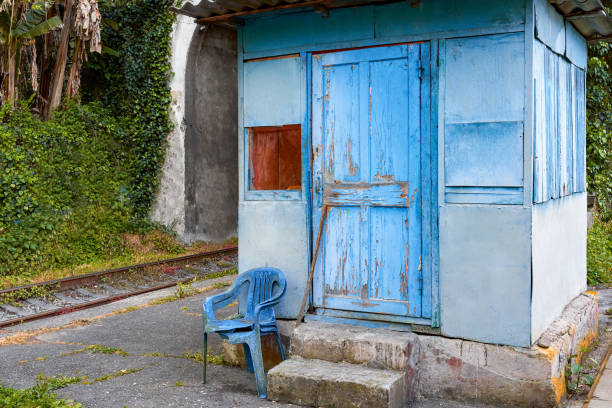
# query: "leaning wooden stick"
(312, 265)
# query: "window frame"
(284, 195)
(302, 104)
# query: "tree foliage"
(62, 191)
(74, 185)
(30, 53)
(20, 23)
(599, 126)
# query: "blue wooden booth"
(448, 139)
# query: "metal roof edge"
(589, 17)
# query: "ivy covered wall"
(133, 81)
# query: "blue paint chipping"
(483, 136)
(367, 132)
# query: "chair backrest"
(264, 284)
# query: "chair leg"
(247, 356)
(204, 353)
(257, 358)
(280, 345)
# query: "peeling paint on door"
(367, 133)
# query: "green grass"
(39, 396)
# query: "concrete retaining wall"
(198, 195)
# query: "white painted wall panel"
(485, 273)
(558, 258)
(274, 233)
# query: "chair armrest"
(218, 301)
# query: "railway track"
(60, 296)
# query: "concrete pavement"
(156, 346)
(154, 364)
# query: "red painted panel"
(290, 158)
(264, 158)
(275, 157)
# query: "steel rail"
(64, 282)
(83, 280)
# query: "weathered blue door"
(370, 123)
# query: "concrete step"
(319, 383)
(378, 348)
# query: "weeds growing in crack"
(98, 349)
(183, 290)
(116, 374)
(215, 359)
(155, 354)
(55, 383)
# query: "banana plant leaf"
(110, 51)
(43, 27)
(33, 18)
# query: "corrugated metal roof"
(205, 9)
(588, 16)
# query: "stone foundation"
(439, 367)
(475, 372)
(508, 376)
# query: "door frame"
(430, 230)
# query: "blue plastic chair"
(266, 287)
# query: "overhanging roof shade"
(588, 16)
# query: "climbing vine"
(61, 187)
(134, 81)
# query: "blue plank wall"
(483, 181)
(485, 254)
(559, 211)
